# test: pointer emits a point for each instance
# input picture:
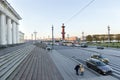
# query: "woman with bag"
(82, 69)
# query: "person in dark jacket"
(77, 67)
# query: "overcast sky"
(40, 15)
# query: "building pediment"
(8, 9)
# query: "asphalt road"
(81, 54)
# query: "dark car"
(98, 66)
(100, 47)
(84, 45)
(101, 58)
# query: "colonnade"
(9, 33)
(9, 21)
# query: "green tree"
(96, 38)
(118, 37)
(89, 38)
(103, 38)
(111, 38)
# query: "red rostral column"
(63, 32)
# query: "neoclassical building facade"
(9, 22)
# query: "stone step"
(31, 71)
(7, 59)
(4, 57)
(39, 66)
(14, 58)
(9, 67)
(39, 72)
(6, 72)
(26, 70)
(34, 77)
(12, 54)
(47, 68)
(24, 63)
(4, 66)
(21, 69)
(10, 49)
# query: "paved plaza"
(33, 62)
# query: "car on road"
(48, 48)
(77, 45)
(100, 47)
(98, 66)
(101, 58)
(84, 45)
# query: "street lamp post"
(35, 33)
(52, 37)
(32, 38)
(108, 34)
(82, 36)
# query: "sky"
(40, 15)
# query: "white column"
(9, 32)
(3, 29)
(13, 33)
(17, 34)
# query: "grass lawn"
(112, 44)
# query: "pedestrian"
(77, 67)
(82, 70)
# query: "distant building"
(21, 37)
(74, 38)
(104, 37)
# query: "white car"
(48, 48)
(77, 45)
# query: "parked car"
(84, 45)
(101, 58)
(77, 45)
(48, 48)
(100, 47)
(98, 66)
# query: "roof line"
(12, 9)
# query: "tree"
(103, 38)
(118, 37)
(111, 38)
(96, 38)
(89, 38)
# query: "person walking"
(82, 69)
(77, 67)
